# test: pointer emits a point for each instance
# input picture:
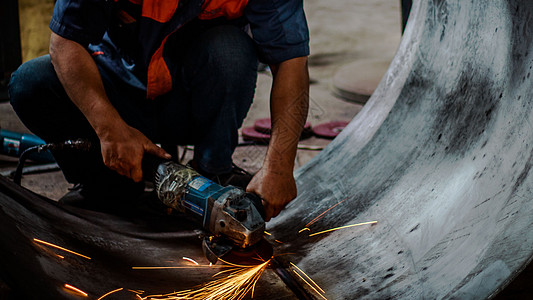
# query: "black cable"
(79, 144)
(17, 177)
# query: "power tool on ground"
(15, 143)
(233, 217)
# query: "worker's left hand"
(276, 189)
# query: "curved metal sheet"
(440, 156)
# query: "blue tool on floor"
(15, 143)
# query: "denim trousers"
(214, 78)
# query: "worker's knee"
(228, 53)
(26, 84)
(232, 48)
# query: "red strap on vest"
(159, 79)
(159, 10)
(230, 9)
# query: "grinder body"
(226, 212)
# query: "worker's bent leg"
(219, 73)
(43, 106)
(41, 103)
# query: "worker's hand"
(276, 189)
(123, 148)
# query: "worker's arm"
(122, 146)
(289, 103)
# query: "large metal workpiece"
(440, 157)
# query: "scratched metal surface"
(440, 156)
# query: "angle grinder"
(233, 217)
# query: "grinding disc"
(252, 256)
(220, 249)
(329, 130)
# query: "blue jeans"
(214, 83)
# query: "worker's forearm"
(289, 105)
(79, 76)
(122, 146)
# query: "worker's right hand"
(123, 148)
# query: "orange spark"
(304, 229)
(224, 271)
(269, 234)
(253, 289)
(316, 291)
(75, 289)
(342, 227)
(60, 248)
(190, 260)
(109, 293)
(237, 265)
(314, 283)
(176, 267)
(139, 297)
(234, 286)
(60, 256)
(322, 214)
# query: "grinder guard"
(235, 216)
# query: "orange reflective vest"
(161, 19)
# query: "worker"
(127, 74)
